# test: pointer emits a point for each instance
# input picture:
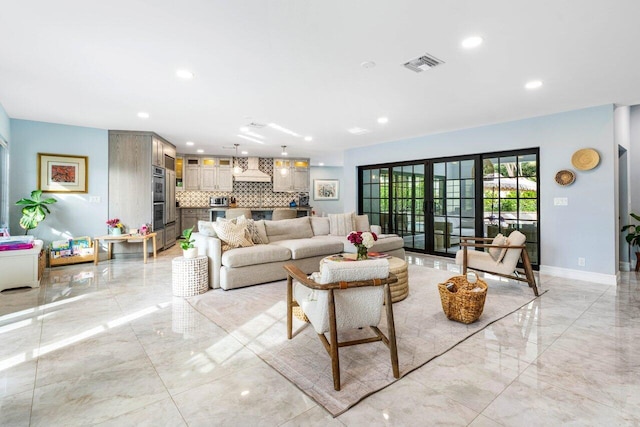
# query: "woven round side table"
(400, 289)
(190, 276)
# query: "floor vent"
(423, 63)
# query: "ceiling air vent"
(423, 63)
(256, 125)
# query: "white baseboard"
(587, 276)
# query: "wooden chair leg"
(391, 327)
(528, 271)
(333, 332)
(464, 260)
(289, 307)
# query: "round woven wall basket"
(585, 159)
(565, 177)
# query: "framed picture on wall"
(62, 173)
(326, 189)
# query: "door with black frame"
(431, 204)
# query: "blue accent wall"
(73, 215)
(585, 228)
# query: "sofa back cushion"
(319, 225)
(342, 224)
(285, 229)
(206, 228)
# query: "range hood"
(253, 174)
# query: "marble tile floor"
(109, 345)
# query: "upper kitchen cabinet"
(291, 175)
(191, 173)
(208, 174)
(163, 153)
(179, 173)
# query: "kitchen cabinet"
(208, 174)
(295, 176)
(191, 173)
(179, 173)
(191, 216)
(132, 155)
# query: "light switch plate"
(94, 199)
(560, 201)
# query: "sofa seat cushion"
(306, 248)
(258, 254)
(388, 243)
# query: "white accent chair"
(344, 295)
(506, 267)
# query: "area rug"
(256, 316)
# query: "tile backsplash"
(246, 193)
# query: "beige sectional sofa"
(300, 241)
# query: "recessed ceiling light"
(471, 42)
(184, 74)
(189, 143)
(244, 129)
(383, 120)
(358, 131)
(368, 64)
(320, 164)
(143, 115)
(248, 138)
(244, 152)
(533, 84)
(200, 150)
(308, 138)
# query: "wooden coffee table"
(111, 239)
(399, 267)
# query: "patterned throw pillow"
(232, 235)
(498, 253)
(206, 228)
(251, 227)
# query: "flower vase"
(116, 231)
(362, 252)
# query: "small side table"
(190, 276)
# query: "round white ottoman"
(190, 276)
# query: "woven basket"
(297, 311)
(463, 305)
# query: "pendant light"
(284, 170)
(237, 170)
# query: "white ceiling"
(297, 63)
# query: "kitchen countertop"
(253, 208)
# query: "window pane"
(453, 170)
(466, 169)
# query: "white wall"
(585, 228)
(73, 215)
(634, 160)
(324, 207)
(622, 141)
(5, 128)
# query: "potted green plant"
(188, 249)
(34, 210)
(633, 237)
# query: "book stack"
(16, 243)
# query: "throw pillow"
(206, 228)
(251, 227)
(495, 252)
(362, 223)
(232, 235)
(503, 252)
(342, 224)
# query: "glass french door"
(432, 204)
(454, 203)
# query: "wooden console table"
(110, 239)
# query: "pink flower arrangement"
(114, 223)
(364, 238)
